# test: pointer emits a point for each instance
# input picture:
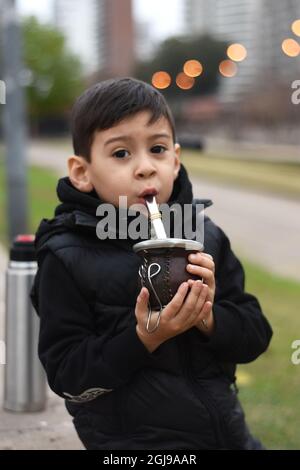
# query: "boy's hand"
(182, 313)
(202, 265)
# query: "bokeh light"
(296, 27)
(290, 47)
(184, 82)
(237, 52)
(192, 68)
(228, 68)
(161, 80)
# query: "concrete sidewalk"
(51, 429)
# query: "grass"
(279, 178)
(269, 387)
(41, 198)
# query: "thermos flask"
(25, 381)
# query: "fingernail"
(192, 257)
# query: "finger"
(207, 255)
(142, 302)
(207, 308)
(191, 282)
(176, 303)
(202, 259)
(189, 307)
(208, 262)
(193, 295)
(200, 255)
(205, 312)
(202, 298)
(143, 296)
(200, 271)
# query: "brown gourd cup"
(163, 269)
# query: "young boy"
(127, 388)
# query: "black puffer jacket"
(121, 396)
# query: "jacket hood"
(77, 210)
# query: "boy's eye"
(121, 153)
(158, 149)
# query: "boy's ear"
(78, 173)
(177, 159)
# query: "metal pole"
(14, 121)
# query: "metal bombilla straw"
(159, 230)
(155, 217)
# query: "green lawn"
(269, 387)
(42, 198)
(278, 178)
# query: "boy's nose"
(144, 168)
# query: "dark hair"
(108, 102)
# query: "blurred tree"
(52, 75)
(175, 51)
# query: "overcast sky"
(164, 15)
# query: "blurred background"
(230, 70)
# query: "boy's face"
(133, 157)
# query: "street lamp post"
(14, 121)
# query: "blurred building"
(260, 25)
(100, 32)
(198, 16)
(80, 23)
(117, 37)
(145, 43)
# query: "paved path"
(50, 156)
(252, 150)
